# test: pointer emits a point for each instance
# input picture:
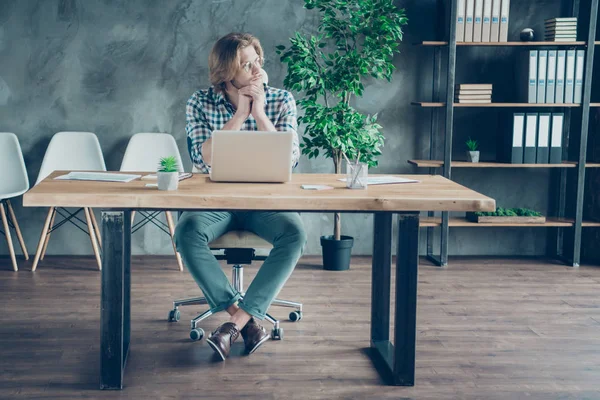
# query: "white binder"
(529, 152)
(551, 77)
(559, 96)
(504, 11)
(543, 139)
(469, 11)
(577, 91)
(460, 21)
(487, 21)
(556, 138)
(570, 76)
(477, 22)
(532, 90)
(542, 66)
(495, 28)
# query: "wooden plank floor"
(487, 328)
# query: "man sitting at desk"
(239, 99)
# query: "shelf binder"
(469, 10)
(556, 138)
(570, 76)
(559, 96)
(460, 21)
(478, 20)
(504, 11)
(543, 138)
(529, 152)
(551, 77)
(495, 28)
(487, 21)
(517, 138)
(577, 91)
(541, 81)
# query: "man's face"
(249, 68)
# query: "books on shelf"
(551, 76)
(533, 138)
(482, 20)
(561, 29)
(477, 93)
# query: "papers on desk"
(98, 176)
(316, 187)
(384, 180)
(153, 177)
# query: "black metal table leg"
(115, 298)
(395, 362)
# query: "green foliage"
(168, 164)
(356, 39)
(510, 212)
(472, 145)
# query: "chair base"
(238, 270)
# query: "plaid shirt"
(207, 111)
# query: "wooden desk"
(396, 362)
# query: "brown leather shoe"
(222, 339)
(254, 336)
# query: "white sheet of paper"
(316, 187)
(98, 176)
(383, 180)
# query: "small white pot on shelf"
(473, 156)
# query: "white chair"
(143, 154)
(13, 182)
(71, 151)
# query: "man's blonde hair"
(224, 60)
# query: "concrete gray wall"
(120, 67)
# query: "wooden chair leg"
(96, 228)
(171, 225)
(42, 241)
(88, 218)
(48, 235)
(11, 249)
(17, 229)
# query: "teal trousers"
(284, 230)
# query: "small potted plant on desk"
(356, 40)
(168, 173)
(472, 152)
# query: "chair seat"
(241, 240)
(4, 196)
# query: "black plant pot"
(336, 253)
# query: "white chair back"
(13, 174)
(72, 151)
(145, 150)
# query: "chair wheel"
(197, 334)
(295, 316)
(174, 315)
(277, 334)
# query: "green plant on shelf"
(168, 164)
(509, 212)
(472, 145)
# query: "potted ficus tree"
(356, 40)
(168, 173)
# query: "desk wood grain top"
(433, 192)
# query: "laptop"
(251, 156)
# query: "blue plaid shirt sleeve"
(288, 121)
(198, 131)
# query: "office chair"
(13, 183)
(239, 249)
(143, 154)
(71, 151)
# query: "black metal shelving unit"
(567, 192)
